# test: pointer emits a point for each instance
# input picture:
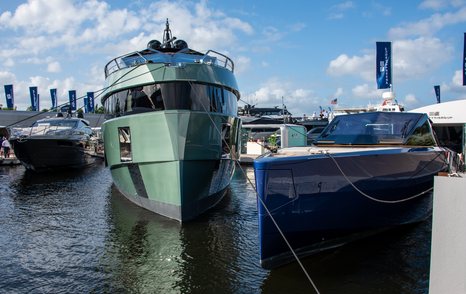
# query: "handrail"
(228, 63)
(136, 58)
(109, 70)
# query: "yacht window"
(422, 136)
(125, 144)
(171, 95)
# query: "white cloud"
(382, 8)
(362, 66)
(410, 101)
(335, 15)
(338, 93)
(428, 26)
(414, 58)
(46, 24)
(337, 11)
(66, 29)
(455, 85)
(274, 91)
(7, 77)
(297, 27)
(365, 92)
(343, 6)
(433, 4)
(411, 59)
(242, 63)
(41, 16)
(457, 79)
(9, 62)
(54, 66)
(440, 4)
(203, 28)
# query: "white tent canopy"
(451, 112)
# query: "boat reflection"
(156, 254)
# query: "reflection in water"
(143, 250)
(75, 233)
(51, 229)
(216, 253)
(393, 262)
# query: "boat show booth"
(449, 123)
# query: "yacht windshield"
(61, 124)
(378, 128)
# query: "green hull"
(174, 162)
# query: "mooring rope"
(236, 159)
(368, 196)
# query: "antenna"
(167, 36)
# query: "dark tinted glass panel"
(167, 96)
(376, 128)
(422, 136)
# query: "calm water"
(74, 233)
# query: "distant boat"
(388, 104)
(55, 144)
(367, 172)
(172, 134)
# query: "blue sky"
(306, 52)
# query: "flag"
(34, 98)
(10, 97)
(53, 96)
(384, 65)
(90, 101)
(72, 96)
(334, 101)
(437, 93)
(85, 105)
(464, 61)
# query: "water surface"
(75, 233)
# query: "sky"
(301, 53)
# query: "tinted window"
(379, 128)
(174, 95)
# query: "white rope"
(371, 197)
(262, 203)
(281, 233)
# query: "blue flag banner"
(90, 101)
(85, 105)
(10, 97)
(384, 65)
(464, 61)
(437, 93)
(53, 96)
(72, 95)
(34, 98)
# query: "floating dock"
(9, 161)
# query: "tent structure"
(449, 121)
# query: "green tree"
(100, 110)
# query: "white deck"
(312, 150)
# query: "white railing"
(211, 57)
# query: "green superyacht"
(172, 131)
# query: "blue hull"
(317, 208)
